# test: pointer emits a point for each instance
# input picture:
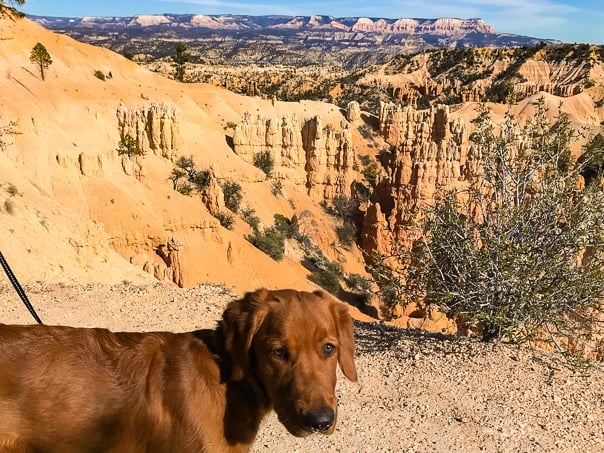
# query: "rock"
(353, 112)
(307, 155)
(212, 196)
(430, 151)
(154, 126)
(90, 165)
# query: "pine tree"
(41, 57)
(179, 60)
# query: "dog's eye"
(329, 349)
(280, 353)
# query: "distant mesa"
(347, 42)
(444, 26)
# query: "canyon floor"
(416, 392)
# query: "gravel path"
(416, 392)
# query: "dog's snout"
(318, 419)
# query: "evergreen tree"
(179, 61)
(41, 57)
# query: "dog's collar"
(248, 391)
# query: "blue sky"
(566, 20)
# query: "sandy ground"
(416, 393)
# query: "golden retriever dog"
(65, 389)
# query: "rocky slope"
(73, 209)
(350, 42)
(450, 76)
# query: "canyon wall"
(304, 152)
(154, 126)
(428, 150)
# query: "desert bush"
(99, 74)
(371, 169)
(592, 159)
(366, 131)
(392, 286)
(501, 92)
(361, 286)
(129, 146)
(187, 178)
(226, 220)
(347, 233)
(341, 207)
(249, 216)
(328, 277)
(289, 228)
(521, 250)
(232, 195)
(324, 272)
(265, 162)
(270, 241)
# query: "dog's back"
(73, 390)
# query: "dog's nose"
(318, 419)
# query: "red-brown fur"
(65, 389)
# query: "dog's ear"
(240, 322)
(344, 327)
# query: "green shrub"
(324, 273)
(328, 277)
(371, 169)
(342, 206)
(249, 216)
(270, 241)
(232, 195)
(506, 252)
(360, 286)
(347, 234)
(392, 290)
(200, 180)
(366, 131)
(289, 228)
(501, 92)
(186, 178)
(226, 220)
(592, 159)
(128, 145)
(99, 74)
(265, 162)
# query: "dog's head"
(290, 342)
